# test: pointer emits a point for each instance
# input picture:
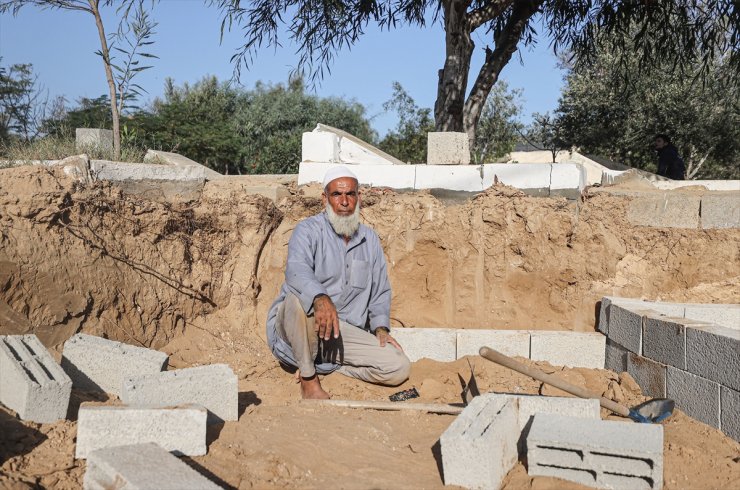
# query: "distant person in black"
(669, 163)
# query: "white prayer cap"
(337, 173)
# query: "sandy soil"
(195, 279)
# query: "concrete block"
(320, 147)
(713, 352)
(98, 364)
(530, 405)
(176, 160)
(531, 178)
(480, 446)
(667, 210)
(447, 148)
(181, 430)
(664, 339)
(696, 396)
(214, 387)
(650, 375)
(725, 315)
(87, 138)
(456, 178)
(660, 308)
(572, 349)
(625, 326)
(567, 180)
(394, 176)
(615, 357)
(439, 344)
(509, 342)
(720, 210)
(730, 412)
(31, 382)
(140, 467)
(118, 171)
(597, 453)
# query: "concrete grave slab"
(320, 146)
(664, 339)
(467, 178)
(572, 349)
(181, 430)
(31, 382)
(97, 364)
(625, 326)
(531, 178)
(720, 210)
(439, 344)
(122, 171)
(696, 396)
(667, 210)
(726, 315)
(394, 176)
(480, 446)
(177, 160)
(88, 138)
(213, 387)
(141, 467)
(730, 412)
(567, 180)
(510, 342)
(447, 148)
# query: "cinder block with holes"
(31, 382)
(97, 364)
(141, 466)
(596, 453)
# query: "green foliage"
(546, 133)
(20, 105)
(615, 110)
(408, 141)
(499, 126)
(89, 113)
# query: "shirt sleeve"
(299, 272)
(379, 307)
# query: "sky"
(61, 46)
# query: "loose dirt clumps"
(196, 278)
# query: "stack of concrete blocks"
(31, 382)
(571, 349)
(180, 430)
(483, 443)
(140, 467)
(448, 148)
(98, 139)
(96, 364)
(687, 352)
(596, 453)
(213, 387)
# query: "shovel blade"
(653, 411)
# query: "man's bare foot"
(311, 389)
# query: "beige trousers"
(357, 351)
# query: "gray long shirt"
(353, 275)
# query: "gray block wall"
(31, 381)
(679, 354)
(100, 365)
(139, 467)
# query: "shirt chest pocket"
(359, 274)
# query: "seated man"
(333, 311)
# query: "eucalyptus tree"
(321, 28)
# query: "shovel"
(651, 412)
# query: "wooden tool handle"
(393, 406)
(506, 361)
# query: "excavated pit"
(195, 278)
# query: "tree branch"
(481, 15)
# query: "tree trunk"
(453, 78)
(111, 81)
(506, 45)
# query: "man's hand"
(326, 320)
(385, 337)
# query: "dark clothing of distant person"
(670, 164)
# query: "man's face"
(341, 194)
(660, 143)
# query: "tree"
(615, 110)
(22, 104)
(92, 7)
(546, 133)
(499, 126)
(408, 141)
(321, 28)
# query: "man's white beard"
(344, 225)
